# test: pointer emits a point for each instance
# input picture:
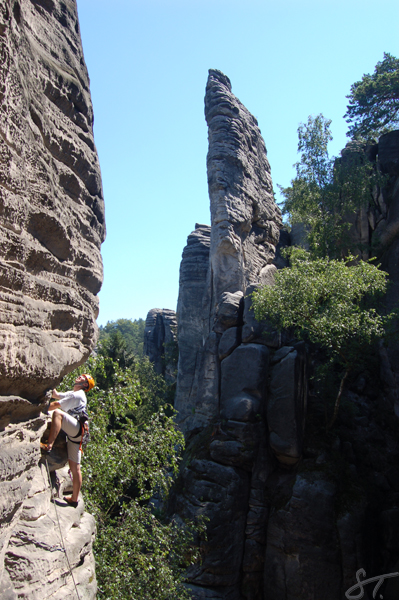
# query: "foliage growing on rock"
(330, 302)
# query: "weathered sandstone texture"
(32, 540)
(193, 273)
(51, 200)
(51, 229)
(221, 262)
(294, 511)
(160, 335)
(244, 217)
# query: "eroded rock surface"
(193, 276)
(245, 219)
(51, 200)
(51, 229)
(224, 358)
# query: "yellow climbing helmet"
(89, 380)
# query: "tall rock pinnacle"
(234, 254)
(244, 217)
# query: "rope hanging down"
(62, 539)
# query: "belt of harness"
(83, 433)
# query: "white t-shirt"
(73, 400)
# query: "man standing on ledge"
(67, 408)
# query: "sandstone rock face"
(306, 525)
(51, 229)
(286, 409)
(386, 230)
(193, 275)
(221, 262)
(245, 219)
(160, 340)
(224, 358)
(375, 228)
(51, 201)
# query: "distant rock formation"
(51, 229)
(290, 516)
(160, 343)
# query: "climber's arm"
(54, 405)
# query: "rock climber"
(66, 410)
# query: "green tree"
(132, 332)
(373, 107)
(329, 302)
(114, 346)
(133, 454)
(326, 191)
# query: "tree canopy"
(131, 331)
(373, 107)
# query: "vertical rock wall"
(244, 217)
(51, 229)
(51, 201)
(245, 223)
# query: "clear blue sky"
(148, 63)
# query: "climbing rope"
(62, 539)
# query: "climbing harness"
(62, 539)
(83, 433)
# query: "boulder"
(228, 311)
(229, 341)
(245, 370)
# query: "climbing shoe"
(45, 447)
(69, 501)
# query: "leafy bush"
(333, 303)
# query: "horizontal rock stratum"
(51, 200)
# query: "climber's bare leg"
(76, 479)
(55, 428)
